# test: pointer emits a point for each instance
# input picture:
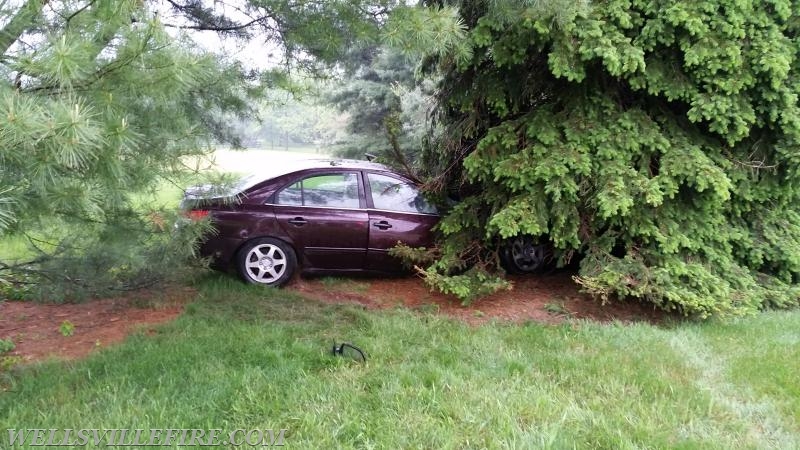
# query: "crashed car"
(322, 216)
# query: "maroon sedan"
(320, 215)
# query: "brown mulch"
(551, 298)
(35, 328)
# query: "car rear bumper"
(220, 250)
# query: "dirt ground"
(543, 298)
(36, 329)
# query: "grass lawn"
(247, 357)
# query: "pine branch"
(20, 23)
(69, 18)
(217, 28)
(100, 73)
(391, 125)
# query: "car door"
(324, 215)
(397, 213)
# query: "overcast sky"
(255, 53)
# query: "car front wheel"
(266, 261)
(523, 254)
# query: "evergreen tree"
(102, 99)
(657, 139)
(99, 102)
(387, 105)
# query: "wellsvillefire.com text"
(139, 437)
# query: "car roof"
(286, 167)
(279, 169)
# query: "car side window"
(392, 194)
(292, 195)
(339, 190)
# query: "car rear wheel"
(523, 254)
(266, 261)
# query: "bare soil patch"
(551, 298)
(36, 329)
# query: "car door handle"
(299, 221)
(383, 225)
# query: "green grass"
(244, 357)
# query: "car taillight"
(197, 214)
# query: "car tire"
(524, 254)
(266, 261)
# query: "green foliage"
(104, 100)
(418, 31)
(386, 104)
(105, 105)
(101, 262)
(581, 384)
(6, 345)
(468, 286)
(66, 328)
(659, 139)
(8, 362)
(419, 255)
